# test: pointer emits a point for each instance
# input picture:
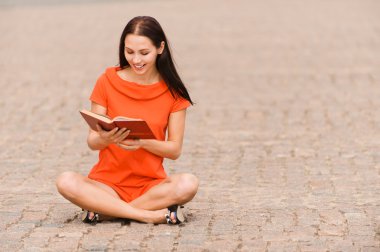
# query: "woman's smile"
(139, 67)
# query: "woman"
(129, 180)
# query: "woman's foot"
(175, 215)
(160, 217)
(90, 217)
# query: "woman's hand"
(114, 136)
(131, 145)
(171, 148)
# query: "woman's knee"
(67, 184)
(187, 187)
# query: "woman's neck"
(148, 78)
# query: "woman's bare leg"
(86, 194)
(175, 189)
(105, 187)
(108, 189)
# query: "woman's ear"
(162, 47)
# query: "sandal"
(178, 214)
(86, 217)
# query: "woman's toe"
(91, 215)
(173, 217)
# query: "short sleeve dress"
(132, 173)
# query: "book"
(138, 127)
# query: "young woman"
(129, 180)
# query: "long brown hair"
(149, 27)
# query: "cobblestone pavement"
(285, 135)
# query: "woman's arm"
(98, 140)
(168, 149)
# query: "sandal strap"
(93, 220)
(168, 220)
(173, 210)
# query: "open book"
(138, 127)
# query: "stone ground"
(285, 135)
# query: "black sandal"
(86, 217)
(178, 214)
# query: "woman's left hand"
(130, 145)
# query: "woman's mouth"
(139, 67)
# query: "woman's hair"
(149, 27)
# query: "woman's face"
(141, 54)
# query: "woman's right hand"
(113, 136)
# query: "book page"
(124, 118)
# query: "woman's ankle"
(156, 217)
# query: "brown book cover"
(138, 127)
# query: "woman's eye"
(145, 53)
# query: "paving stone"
(284, 135)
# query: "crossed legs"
(150, 207)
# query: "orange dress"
(132, 173)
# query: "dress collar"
(135, 90)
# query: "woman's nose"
(136, 60)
